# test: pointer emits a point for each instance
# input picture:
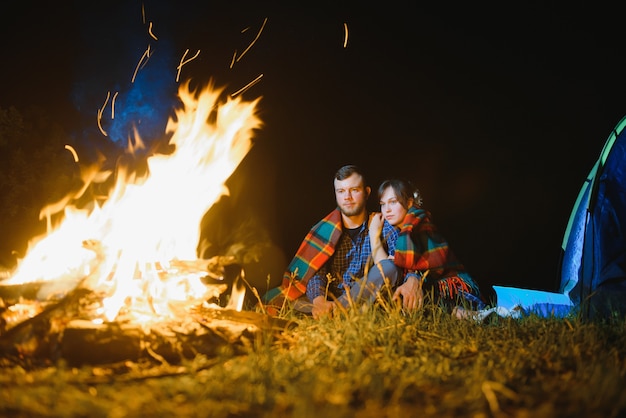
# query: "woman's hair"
(404, 191)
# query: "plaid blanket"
(316, 248)
(420, 247)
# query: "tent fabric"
(592, 268)
(593, 265)
(524, 302)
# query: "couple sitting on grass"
(352, 257)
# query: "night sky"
(496, 113)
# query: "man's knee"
(384, 271)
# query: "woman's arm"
(375, 234)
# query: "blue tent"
(592, 268)
(593, 262)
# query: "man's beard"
(353, 211)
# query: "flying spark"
(183, 62)
(253, 41)
(150, 32)
(247, 86)
(345, 35)
(113, 105)
(142, 62)
(73, 151)
(100, 111)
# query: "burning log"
(208, 331)
(20, 302)
(67, 329)
(83, 342)
(37, 337)
(58, 332)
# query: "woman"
(428, 265)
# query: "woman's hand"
(375, 235)
(411, 293)
(376, 226)
(322, 307)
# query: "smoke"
(125, 81)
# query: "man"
(336, 253)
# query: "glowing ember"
(130, 246)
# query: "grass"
(376, 362)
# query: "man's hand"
(322, 307)
(412, 294)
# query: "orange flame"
(125, 246)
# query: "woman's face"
(391, 208)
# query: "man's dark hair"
(348, 170)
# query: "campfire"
(120, 277)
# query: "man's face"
(351, 195)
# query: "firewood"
(84, 342)
(37, 337)
(73, 329)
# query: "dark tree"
(35, 170)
